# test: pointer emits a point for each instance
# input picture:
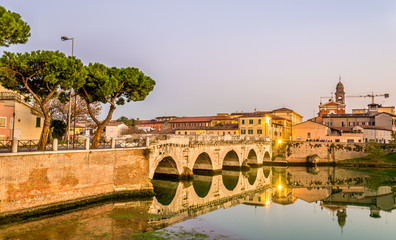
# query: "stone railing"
(14, 146)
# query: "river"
(263, 203)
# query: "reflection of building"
(260, 199)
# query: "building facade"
(18, 119)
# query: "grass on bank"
(388, 159)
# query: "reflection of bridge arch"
(267, 157)
(252, 175)
(252, 158)
(266, 171)
(202, 185)
(166, 167)
(231, 160)
(165, 191)
(203, 164)
(207, 193)
(230, 179)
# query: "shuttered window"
(3, 122)
(38, 121)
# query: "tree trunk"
(98, 134)
(101, 127)
(44, 133)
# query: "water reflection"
(202, 185)
(165, 190)
(336, 191)
(230, 179)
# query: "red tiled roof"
(200, 119)
(224, 127)
(374, 127)
(344, 129)
(140, 122)
(114, 123)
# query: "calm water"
(264, 203)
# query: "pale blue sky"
(212, 56)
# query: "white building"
(114, 129)
(374, 133)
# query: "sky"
(223, 56)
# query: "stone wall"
(29, 180)
(298, 151)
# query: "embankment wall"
(327, 151)
(30, 180)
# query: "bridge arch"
(267, 157)
(231, 160)
(252, 158)
(203, 164)
(166, 168)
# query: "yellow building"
(289, 114)
(279, 123)
(256, 124)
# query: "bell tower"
(340, 94)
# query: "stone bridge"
(178, 156)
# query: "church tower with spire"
(340, 94)
(334, 106)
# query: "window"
(250, 121)
(259, 121)
(309, 135)
(259, 131)
(243, 121)
(350, 140)
(38, 121)
(243, 131)
(250, 131)
(3, 122)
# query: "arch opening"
(203, 165)
(166, 169)
(267, 157)
(252, 158)
(202, 185)
(231, 161)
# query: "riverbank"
(387, 161)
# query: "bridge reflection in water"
(334, 190)
(207, 193)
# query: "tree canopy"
(127, 121)
(114, 86)
(13, 29)
(41, 76)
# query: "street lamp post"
(64, 38)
